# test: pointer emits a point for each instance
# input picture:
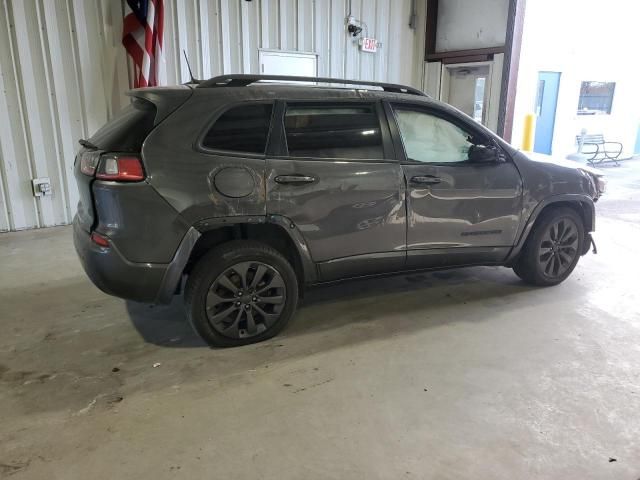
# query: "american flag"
(142, 38)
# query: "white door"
(473, 88)
(276, 62)
(468, 91)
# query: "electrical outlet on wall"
(41, 187)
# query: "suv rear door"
(459, 212)
(331, 171)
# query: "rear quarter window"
(242, 129)
(128, 129)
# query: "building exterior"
(578, 71)
(63, 71)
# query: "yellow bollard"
(528, 132)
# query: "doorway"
(467, 89)
(472, 87)
(546, 103)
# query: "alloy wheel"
(559, 248)
(245, 300)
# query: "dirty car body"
(337, 183)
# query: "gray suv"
(244, 192)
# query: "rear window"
(333, 131)
(128, 129)
(242, 129)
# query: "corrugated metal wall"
(63, 71)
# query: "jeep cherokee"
(245, 192)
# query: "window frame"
(589, 112)
(279, 149)
(433, 110)
(201, 147)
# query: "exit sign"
(369, 45)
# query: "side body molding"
(174, 271)
(309, 268)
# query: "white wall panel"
(64, 72)
(16, 165)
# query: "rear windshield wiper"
(87, 144)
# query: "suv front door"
(331, 172)
(459, 211)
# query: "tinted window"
(431, 139)
(241, 129)
(335, 131)
(128, 129)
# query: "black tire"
(553, 248)
(253, 316)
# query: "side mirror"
(484, 154)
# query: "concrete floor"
(460, 374)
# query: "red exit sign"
(369, 45)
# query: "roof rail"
(242, 80)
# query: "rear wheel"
(239, 293)
(553, 248)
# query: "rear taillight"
(89, 162)
(100, 240)
(120, 168)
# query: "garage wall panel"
(18, 204)
(64, 72)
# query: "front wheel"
(553, 249)
(239, 293)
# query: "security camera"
(354, 30)
(353, 26)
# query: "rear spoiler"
(165, 99)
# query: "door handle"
(426, 180)
(294, 179)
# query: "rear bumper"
(112, 273)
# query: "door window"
(333, 131)
(539, 97)
(431, 139)
(242, 129)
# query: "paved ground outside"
(460, 374)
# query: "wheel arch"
(583, 205)
(276, 231)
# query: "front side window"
(431, 139)
(348, 131)
(242, 129)
(596, 98)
